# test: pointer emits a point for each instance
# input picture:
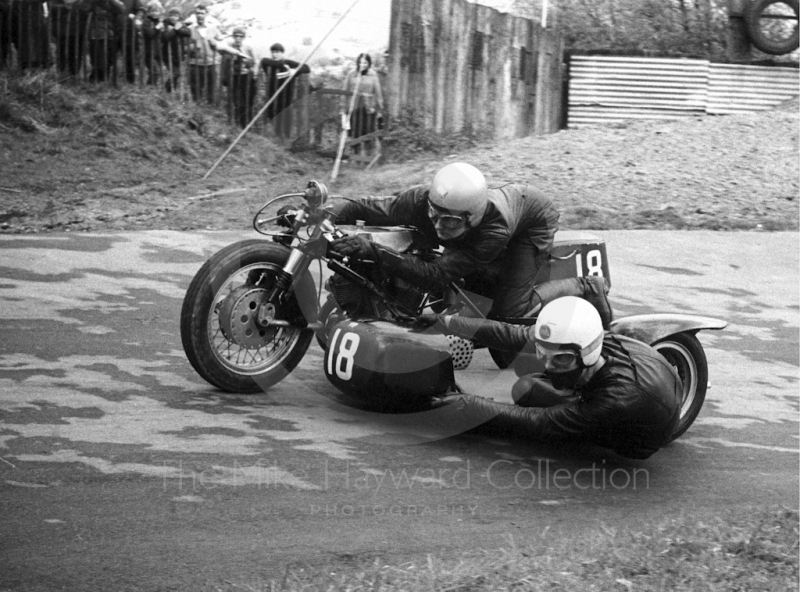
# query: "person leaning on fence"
(152, 28)
(173, 33)
(24, 25)
(238, 60)
(68, 27)
(278, 69)
(204, 37)
(368, 104)
(5, 37)
(103, 38)
(130, 32)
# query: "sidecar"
(388, 365)
(394, 368)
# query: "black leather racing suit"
(514, 238)
(631, 405)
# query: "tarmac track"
(121, 469)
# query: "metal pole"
(277, 93)
(343, 137)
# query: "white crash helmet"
(460, 188)
(570, 323)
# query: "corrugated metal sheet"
(739, 89)
(604, 89)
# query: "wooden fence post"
(739, 48)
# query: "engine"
(358, 302)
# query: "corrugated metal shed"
(738, 89)
(605, 89)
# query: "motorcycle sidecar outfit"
(389, 366)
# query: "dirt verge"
(137, 162)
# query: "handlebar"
(315, 195)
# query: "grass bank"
(754, 552)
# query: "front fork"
(300, 257)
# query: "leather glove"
(286, 214)
(355, 247)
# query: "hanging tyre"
(772, 25)
(221, 335)
(685, 353)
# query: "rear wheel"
(221, 333)
(686, 355)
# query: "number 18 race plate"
(383, 363)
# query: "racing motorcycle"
(254, 308)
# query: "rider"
(605, 389)
(508, 229)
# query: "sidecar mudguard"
(650, 328)
(379, 362)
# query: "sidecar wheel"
(220, 337)
(686, 355)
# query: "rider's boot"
(593, 289)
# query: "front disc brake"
(238, 317)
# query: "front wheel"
(685, 353)
(220, 330)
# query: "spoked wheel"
(772, 25)
(233, 336)
(686, 355)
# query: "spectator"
(202, 55)
(130, 31)
(368, 103)
(278, 70)
(237, 71)
(102, 37)
(68, 25)
(172, 35)
(24, 26)
(152, 28)
(5, 33)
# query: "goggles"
(445, 219)
(558, 358)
